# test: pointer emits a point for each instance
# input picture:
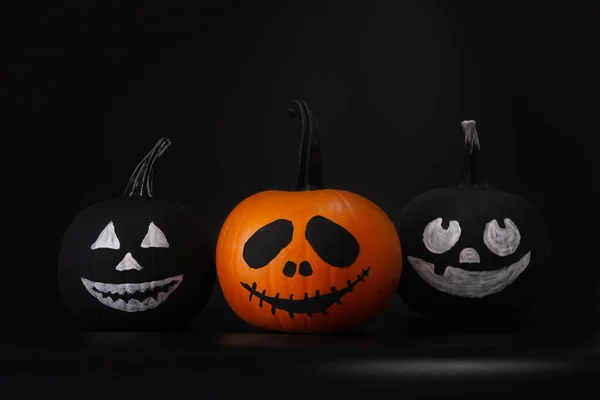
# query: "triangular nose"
(127, 263)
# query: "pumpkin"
(311, 259)
(473, 251)
(135, 262)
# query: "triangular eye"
(154, 237)
(107, 239)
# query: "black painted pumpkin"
(136, 263)
(471, 250)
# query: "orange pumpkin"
(308, 260)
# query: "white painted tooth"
(162, 296)
(100, 286)
(87, 283)
(134, 303)
(98, 296)
(111, 288)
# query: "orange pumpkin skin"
(367, 285)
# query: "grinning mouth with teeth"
(473, 284)
(133, 297)
(319, 303)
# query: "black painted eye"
(333, 243)
(266, 243)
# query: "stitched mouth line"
(319, 303)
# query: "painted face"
(454, 280)
(475, 251)
(333, 244)
(129, 296)
(313, 261)
(472, 252)
(122, 262)
(135, 264)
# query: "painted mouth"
(133, 297)
(473, 284)
(319, 303)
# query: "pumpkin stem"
(310, 166)
(141, 182)
(472, 171)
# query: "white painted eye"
(439, 240)
(107, 239)
(154, 237)
(502, 242)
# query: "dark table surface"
(398, 354)
(420, 359)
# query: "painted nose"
(468, 255)
(290, 269)
(128, 263)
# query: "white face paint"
(131, 297)
(468, 255)
(154, 237)
(502, 242)
(472, 284)
(107, 239)
(439, 240)
(155, 292)
(128, 263)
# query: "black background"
(88, 87)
